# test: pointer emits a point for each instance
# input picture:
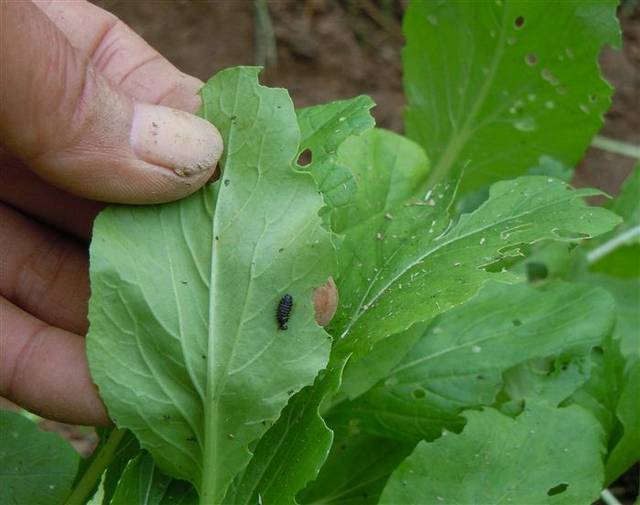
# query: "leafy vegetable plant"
(483, 349)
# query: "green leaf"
(423, 274)
(291, 453)
(184, 343)
(37, 467)
(460, 360)
(627, 449)
(356, 470)
(142, 483)
(545, 455)
(388, 170)
(490, 85)
(324, 128)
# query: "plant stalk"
(616, 147)
(85, 485)
(608, 497)
(611, 245)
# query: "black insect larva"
(284, 310)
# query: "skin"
(79, 126)
(73, 83)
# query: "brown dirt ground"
(332, 49)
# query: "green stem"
(616, 147)
(608, 498)
(265, 39)
(611, 245)
(87, 483)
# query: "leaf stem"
(85, 485)
(612, 244)
(616, 146)
(608, 498)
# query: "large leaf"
(546, 455)
(184, 343)
(324, 128)
(291, 453)
(460, 360)
(420, 274)
(491, 86)
(37, 467)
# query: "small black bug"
(284, 310)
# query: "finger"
(43, 272)
(28, 193)
(44, 369)
(122, 55)
(85, 136)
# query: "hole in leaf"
(304, 158)
(569, 235)
(418, 393)
(531, 59)
(519, 22)
(536, 271)
(560, 488)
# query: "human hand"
(79, 96)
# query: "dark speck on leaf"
(517, 322)
(230, 436)
(281, 249)
(183, 282)
(227, 182)
(290, 392)
(203, 356)
(191, 439)
(216, 237)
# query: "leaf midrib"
(457, 143)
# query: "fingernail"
(175, 139)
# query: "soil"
(333, 49)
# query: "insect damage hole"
(560, 488)
(305, 158)
(284, 311)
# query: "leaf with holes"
(324, 128)
(491, 86)
(184, 343)
(545, 455)
(416, 266)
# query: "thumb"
(81, 133)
